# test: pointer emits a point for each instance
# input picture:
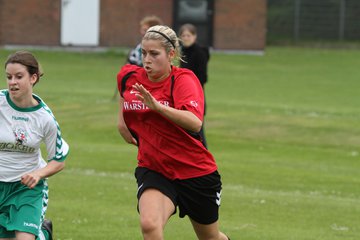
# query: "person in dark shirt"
(195, 58)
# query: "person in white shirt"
(26, 122)
(134, 56)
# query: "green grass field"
(284, 128)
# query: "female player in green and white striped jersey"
(26, 122)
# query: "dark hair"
(151, 21)
(188, 27)
(28, 60)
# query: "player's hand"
(146, 97)
(128, 137)
(126, 134)
(30, 180)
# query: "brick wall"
(1, 21)
(35, 22)
(119, 21)
(240, 24)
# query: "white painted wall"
(80, 22)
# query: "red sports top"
(163, 146)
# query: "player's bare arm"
(32, 179)
(122, 128)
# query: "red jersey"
(163, 146)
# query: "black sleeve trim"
(123, 82)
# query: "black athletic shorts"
(199, 198)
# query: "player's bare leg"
(208, 231)
(24, 236)
(155, 210)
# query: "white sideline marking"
(333, 195)
(93, 172)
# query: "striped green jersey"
(22, 130)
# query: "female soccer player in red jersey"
(161, 112)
